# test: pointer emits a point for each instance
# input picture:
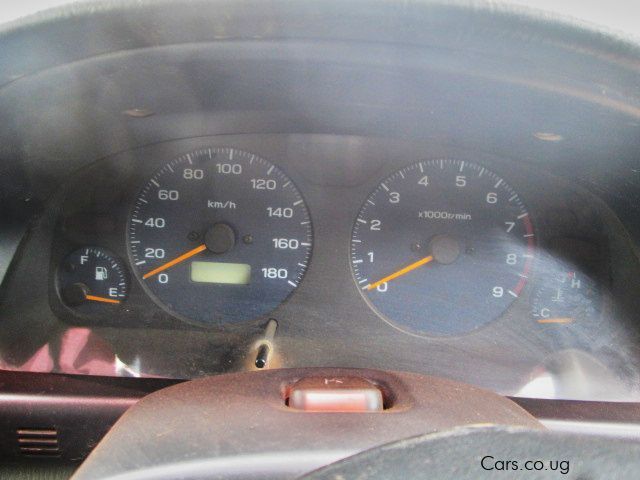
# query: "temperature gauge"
(91, 280)
(569, 297)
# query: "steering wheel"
(254, 425)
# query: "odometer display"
(442, 247)
(219, 236)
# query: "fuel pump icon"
(101, 273)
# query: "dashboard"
(225, 253)
(261, 193)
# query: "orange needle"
(175, 261)
(95, 298)
(556, 320)
(401, 272)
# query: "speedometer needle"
(175, 261)
(401, 272)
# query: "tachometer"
(442, 247)
(219, 236)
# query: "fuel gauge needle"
(95, 298)
(402, 271)
(175, 261)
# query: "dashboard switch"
(335, 394)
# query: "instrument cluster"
(257, 251)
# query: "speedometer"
(442, 247)
(219, 236)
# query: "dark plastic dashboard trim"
(614, 419)
(79, 409)
(10, 237)
(134, 25)
(83, 408)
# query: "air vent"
(38, 442)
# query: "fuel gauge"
(91, 280)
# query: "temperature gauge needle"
(95, 298)
(556, 320)
(401, 272)
(175, 261)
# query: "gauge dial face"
(219, 236)
(567, 300)
(92, 280)
(567, 297)
(442, 247)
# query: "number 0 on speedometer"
(442, 247)
(219, 236)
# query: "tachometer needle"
(401, 272)
(95, 298)
(175, 261)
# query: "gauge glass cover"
(442, 247)
(219, 236)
